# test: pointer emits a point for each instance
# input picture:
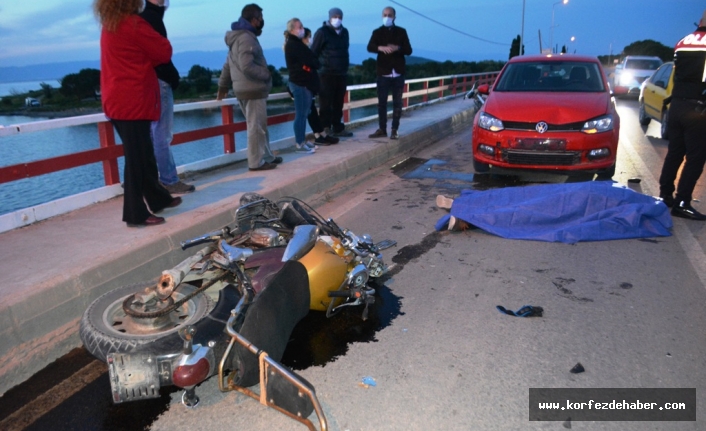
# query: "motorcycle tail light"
(191, 374)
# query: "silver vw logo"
(541, 127)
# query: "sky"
(48, 31)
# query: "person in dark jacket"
(331, 45)
(391, 44)
(130, 50)
(321, 137)
(302, 65)
(686, 124)
(162, 129)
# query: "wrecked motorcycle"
(278, 262)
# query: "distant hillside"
(212, 60)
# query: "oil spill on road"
(318, 340)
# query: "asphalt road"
(443, 357)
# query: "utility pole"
(522, 33)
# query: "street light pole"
(522, 33)
(551, 33)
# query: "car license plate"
(539, 144)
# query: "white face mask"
(336, 22)
(386, 21)
(301, 33)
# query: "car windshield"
(643, 64)
(566, 76)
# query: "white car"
(632, 71)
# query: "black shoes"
(342, 134)
(394, 134)
(684, 210)
(277, 160)
(668, 200)
(379, 133)
(265, 167)
(149, 221)
(326, 140)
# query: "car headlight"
(597, 125)
(626, 78)
(488, 122)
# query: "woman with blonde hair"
(302, 65)
(130, 50)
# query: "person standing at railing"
(302, 65)
(245, 70)
(130, 50)
(391, 44)
(162, 129)
(331, 45)
(321, 137)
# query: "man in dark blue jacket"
(162, 129)
(331, 44)
(391, 44)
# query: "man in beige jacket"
(245, 70)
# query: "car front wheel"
(479, 167)
(642, 115)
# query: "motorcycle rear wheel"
(105, 328)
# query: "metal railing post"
(405, 97)
(228, 138)
(347, 111)
(106, 135)
(464, 84)
(453, 83)
(426, 93)
(441, 86)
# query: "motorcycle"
(278, 262)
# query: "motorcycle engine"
(265, 237)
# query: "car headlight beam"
(488, 122)
(598, 125)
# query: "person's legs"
(339, 84)
(675, 153)
(162, 137)
(302, 106)
(383, 90)
(141, 177)
(314, 119)
(326, 100)
(255, 112)
(694, 137)
(397, 90)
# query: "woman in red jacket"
(130, 49)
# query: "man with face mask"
(391, 44)
(331, 44)
(246, 71)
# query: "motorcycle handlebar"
(341, 294)
(209, 237)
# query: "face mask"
(262, 24)
(301, 33)
(386, 21)
(336, 22)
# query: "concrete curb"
(39, 326)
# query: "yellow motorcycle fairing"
(327, 270)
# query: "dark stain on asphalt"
(626, 285)
(413, 251)
(650, 240)
(318, 340)
(560, 282)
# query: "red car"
(548, 112)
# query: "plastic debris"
(578, 368)
(526, 311)
(367, 382)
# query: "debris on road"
(578, 368)
(526, 311)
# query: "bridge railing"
(417, 91)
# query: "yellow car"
(652, 94)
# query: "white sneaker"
(311, 145)
(304, 149)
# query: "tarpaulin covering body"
(569, 213)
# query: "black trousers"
(686, 128)
(384, 86)
(333, 91)
(141, 178)
(314, 119)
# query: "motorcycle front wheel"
(106, 328)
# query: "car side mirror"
(484, 89)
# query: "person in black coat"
(331, 45)
(391, 44)
(302, 65)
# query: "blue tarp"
(569, 213)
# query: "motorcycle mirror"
(234, 254)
